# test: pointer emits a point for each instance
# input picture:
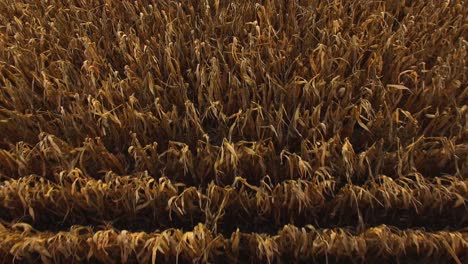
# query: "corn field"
(213, 131)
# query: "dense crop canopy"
(242, 131)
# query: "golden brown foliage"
(82, 244)
(276, 131)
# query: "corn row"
(128, 199)
(335, 159)
(81, 243)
